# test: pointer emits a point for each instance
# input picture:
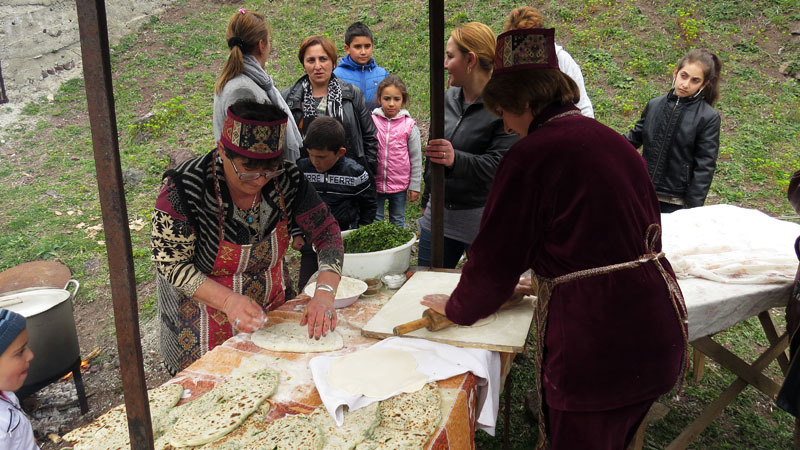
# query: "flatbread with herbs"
(407, 420)
(110, 431)
(357, 425)
(223, 409)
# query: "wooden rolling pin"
(434, 321)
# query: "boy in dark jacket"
(359, 67)
(342, 183)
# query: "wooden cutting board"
(34, 274)
(504, 331)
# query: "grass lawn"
(626, 50)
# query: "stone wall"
(40, 42)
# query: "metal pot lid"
(30, 302)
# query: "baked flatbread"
(418, 411)
(110, 431)
(289, 433)
(291, 337)
(223, 409)
(386, 439)
(242, 437)
(407, 420)
(357, 425)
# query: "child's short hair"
(325, 133)
(357, 29)
(11, 325)
(392, 80)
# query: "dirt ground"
(102, 380)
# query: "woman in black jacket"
(680, 133)
(320, 93)
(474, 143)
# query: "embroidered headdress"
(253, 138)
(529, 48)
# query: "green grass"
(626, 49)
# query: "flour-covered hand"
(436, 302)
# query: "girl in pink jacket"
(399, 152)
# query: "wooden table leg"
(730, 361)
(717, 406)
(772, 335)
(507, 412)
(698, 364)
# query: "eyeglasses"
(252, 176)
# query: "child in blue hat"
(15, 358)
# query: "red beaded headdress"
(529, 48)
(253, 138)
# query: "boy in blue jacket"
(341, 182)
(359, 67)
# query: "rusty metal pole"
(436, 26)
(3, 98)
(102, 117)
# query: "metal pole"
(3, 98)
(436, 25)
(102, 117)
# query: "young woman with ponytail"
(679, 132)
(243, 76)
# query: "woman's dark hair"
(711, 71)
(392, 80)
(250, 110)
(325, 133)
(537, 88)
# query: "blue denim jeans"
(453, 250)
(397, 208)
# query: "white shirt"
(570, 67)
(15, 429)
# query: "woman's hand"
(525, 287)
(441, 152)
(320, 315)
(436, 302)
(414, 196)
(243, 313)
(320, 312)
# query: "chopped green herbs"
(375, 237)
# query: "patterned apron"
(254, 270)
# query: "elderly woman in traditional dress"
(220, 230)
(572, 201)
(243, 76)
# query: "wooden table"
(713, 307)
(296, 392)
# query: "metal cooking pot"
(51, 329)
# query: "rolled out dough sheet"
(505, 331)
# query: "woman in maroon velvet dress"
(572, 200)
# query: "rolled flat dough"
(291, 337)
(376, 373)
